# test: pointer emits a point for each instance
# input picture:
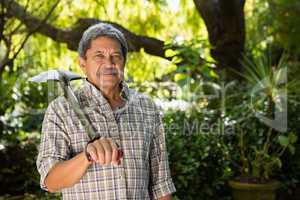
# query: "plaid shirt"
(136, 127)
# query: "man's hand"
(104, 151)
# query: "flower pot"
(254, 191)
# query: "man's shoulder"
(63, 102)
(59, 105)
(143, 100)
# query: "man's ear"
(82, 63)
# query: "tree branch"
(36, 28)
(7, 60)
(72, 35)
(224, 20)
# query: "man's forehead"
(106, 40)
(105, 50)
(105, 43)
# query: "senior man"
(68, 161)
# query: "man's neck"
(113, 96)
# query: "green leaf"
(168, 42)
(291, 149)
(179, 77)
(283, 140)
(293, 137)
(213, 74)
(277, 162)
(171, 68)
(176, 59)
(170, 53)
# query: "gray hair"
(98, 30)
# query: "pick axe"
(64, 77)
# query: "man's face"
(104, 63)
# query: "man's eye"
(99, 56)
(116, 57)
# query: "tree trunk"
(225, 24)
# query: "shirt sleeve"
(54, 145)
(161, 183)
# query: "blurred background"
(199, 60)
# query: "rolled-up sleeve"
(54, 145)
(161, 183)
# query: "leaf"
(179, 77)
(171, 68)
(168, 42)
(293, 137)
(213, 74)
(176, 59)
(283, 140)
(170, 53)
(291, 149)
(277, 162)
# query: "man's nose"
(109, 62)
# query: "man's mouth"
(107, 72)
(110, 73)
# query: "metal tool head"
(55, 75)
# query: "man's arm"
(54, 149)
(66, 173)
(161, 186)
(57, 169)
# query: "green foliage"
(286, 20)
(273, 23)
(6, 97)
(16, 162)
(198, 157)
(261, 141)
(130, 14)
(19, 178)
(291, 171)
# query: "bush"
(18, 174)
(198, 157)
(290, 175)
(19, 178)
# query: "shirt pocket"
(136, 136)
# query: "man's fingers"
(107, 149)
(100, 152)
(92, 151)
(114, 159)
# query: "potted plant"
(261, 129)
